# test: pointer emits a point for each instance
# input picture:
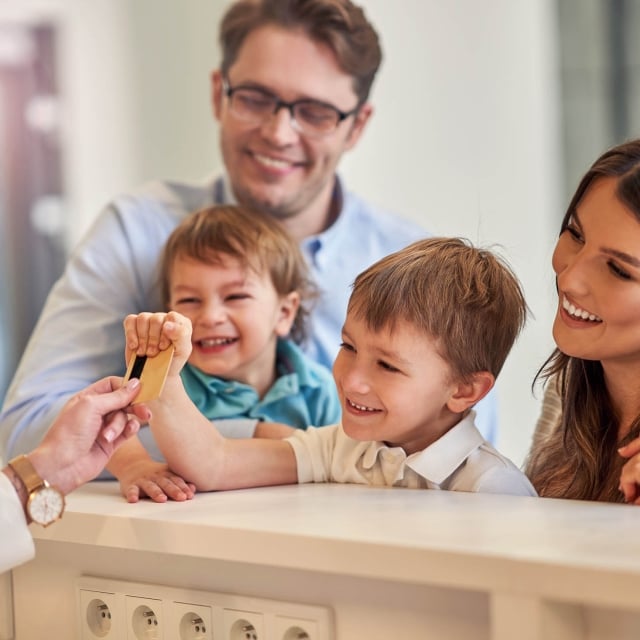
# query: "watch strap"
(27, 473)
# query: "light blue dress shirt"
(114, 272)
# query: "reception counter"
(383, 563)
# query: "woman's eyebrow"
(621, 255)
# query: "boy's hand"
(146, 334)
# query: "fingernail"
(109, 435)
(132, 384)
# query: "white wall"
(465, 138)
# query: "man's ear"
(216, 92)
(360, 120)
(289, 306)
(468, 393)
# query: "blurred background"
(487, 114)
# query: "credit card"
(152, 373)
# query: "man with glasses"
(291, 97)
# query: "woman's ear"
(289, 306)
(468, 393)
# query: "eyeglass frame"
(289, 106)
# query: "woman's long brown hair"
(580, 459)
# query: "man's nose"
(280, 127)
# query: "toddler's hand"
(149, 333)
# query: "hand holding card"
(152, 373)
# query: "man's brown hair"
(339, 24)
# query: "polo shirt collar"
(440, 459)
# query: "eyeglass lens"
(310, 116)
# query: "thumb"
(118, 398)
(630, 449)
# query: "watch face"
(45, 505)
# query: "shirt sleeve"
(506, 480)
(236, 428)
(79, 336)
(17, 544)
(314, 449)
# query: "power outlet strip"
(119, 610)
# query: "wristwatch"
(45, 504)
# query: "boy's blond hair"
(465, 298)
(255, 239)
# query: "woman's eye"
(574, 232)
(619, 272)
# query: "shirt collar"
(315, 243)
(440, 459)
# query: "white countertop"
(566, 550)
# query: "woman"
(586, 437)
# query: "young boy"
(427, 331)
(243, 284)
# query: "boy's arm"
(196, 451)
(273, 430)
(139, 475)
(190, 443)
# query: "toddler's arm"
(191, 445)
(132, 466)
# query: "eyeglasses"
(309, 117)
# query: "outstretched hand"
(630, 475)
(90, 427)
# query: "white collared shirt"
(461, 460)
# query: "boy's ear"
(470, 392)
(289, 306)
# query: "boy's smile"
(393, 385)
(236, 315)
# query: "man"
(291, 97)
(90, 428)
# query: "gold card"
(152, 373)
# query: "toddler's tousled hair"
(255, 239)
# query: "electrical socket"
(286, 628)
(243, 625)
(193, 621)
(101, 615)
(153, 612)
(144, 616)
